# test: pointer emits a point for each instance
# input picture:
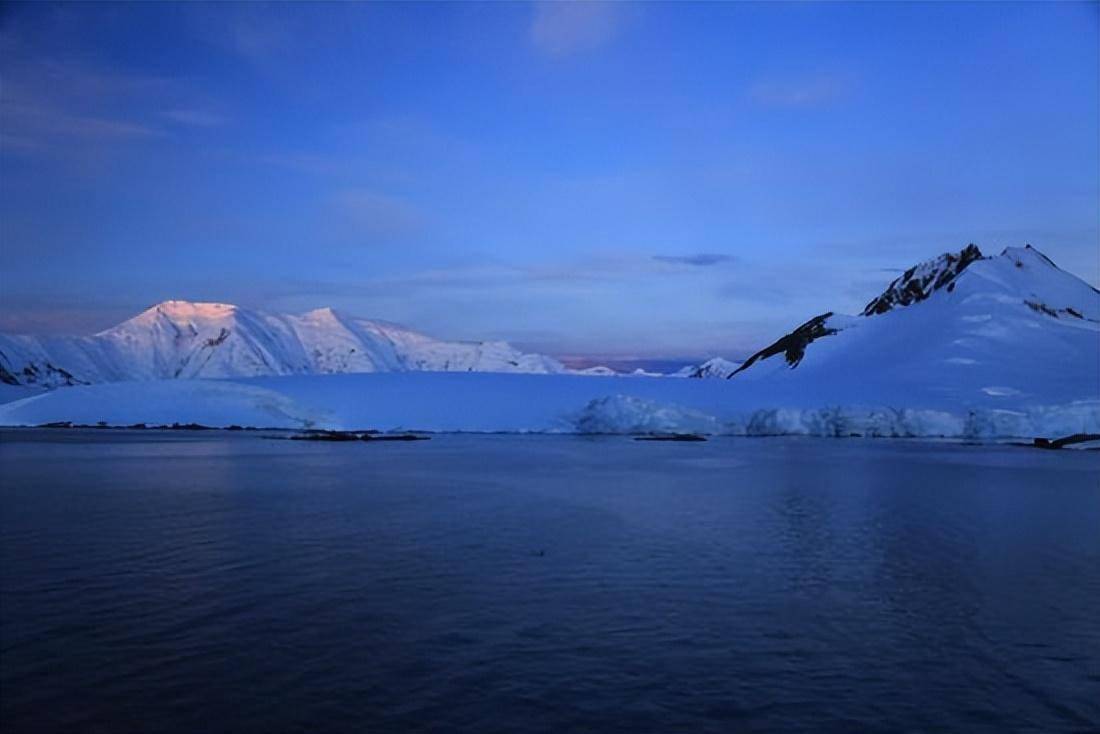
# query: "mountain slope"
(955, 330)
(180, 339)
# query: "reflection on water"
(224, 582)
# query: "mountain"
(181, 339)
(962, 346)
(715, 367)
(952, 330)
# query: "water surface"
(175, 582)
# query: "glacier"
(517, 403)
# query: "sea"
(212, 581)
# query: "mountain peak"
(920, 281)
(174, 311)
(713, 367)
(325, 313)
(1027, 255)
(192, 309)
(1010, 316)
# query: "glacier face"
(181, 339)
(521, 403)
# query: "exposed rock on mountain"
(793, 345)
(921, 281)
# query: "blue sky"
(614, 180)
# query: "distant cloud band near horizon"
(702, 259)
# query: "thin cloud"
(311, 163)
(194, 117)
(258, 38)
(33, 122)
(50, 103)
(480, 277)
(563, 28)
(33, 76)
(16, 144)
(799, 92)
(254, 32)
(99, 127)
(702, 259)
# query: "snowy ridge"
(181, 339)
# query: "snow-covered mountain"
(713, 368)
(962, 346)
(949, 331)
(181, 339)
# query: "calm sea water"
(208, 582)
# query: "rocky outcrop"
(793, 345)
(920, 281)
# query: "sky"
(600, 181)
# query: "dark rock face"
(1055, 313)
(223, 334)
(325, 436)
(341, 436)
(394, 437)
(1057, 443)
(37, 374)
(793, 345)
(919, 282)
(8, 378)
(1042, 308)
